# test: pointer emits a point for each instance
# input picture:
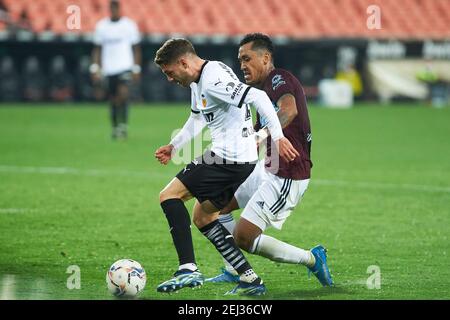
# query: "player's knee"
(201, 220)
(166, 195)
(198, 221)
(122, 99)
(226, 210)
(242, 241)
(123, 94)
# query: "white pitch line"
(141, 174)
(8, 291)
(15, 210)
(72, 171)
(379, 185)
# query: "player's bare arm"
(288, 109)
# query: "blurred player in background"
(117, 55)
(220, 102)
(270, 193)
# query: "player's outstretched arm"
(193, 126)
(288, 109)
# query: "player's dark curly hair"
(173, 49)
(259, 41)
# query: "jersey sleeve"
(135, 37)
(260, 100)
(193, 126)
(223, 85)
(281, 83)
(232, 92)
(194, 107)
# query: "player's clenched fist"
(164, 153)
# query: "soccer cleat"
(182, 279)
(320, 268)
(248, 289)
(224, 277)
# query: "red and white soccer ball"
(126, 278)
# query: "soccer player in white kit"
(117, 56)
(220, 102)
(275, 187)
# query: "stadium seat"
(407, 19)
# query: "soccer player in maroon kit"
(276, 186)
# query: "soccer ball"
(126, 278)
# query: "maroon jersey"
(278, 83)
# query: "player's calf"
(249, 282)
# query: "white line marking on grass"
(8, 291)
(352, 283)
(378, 185)
(15, 210)
(72, 171)
(141, 174)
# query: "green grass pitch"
(379, 196)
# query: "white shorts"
(268, 199)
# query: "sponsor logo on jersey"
(260, 203)
(204, 102)
(277, 81)
(237, 90)
(230, 86)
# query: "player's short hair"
(173, 49)
(259, 41)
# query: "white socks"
(189, 266)
(280, 251)
(228, 222)
(270, 248)
(248, 276)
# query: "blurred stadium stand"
(406, 19)
(309, 34)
